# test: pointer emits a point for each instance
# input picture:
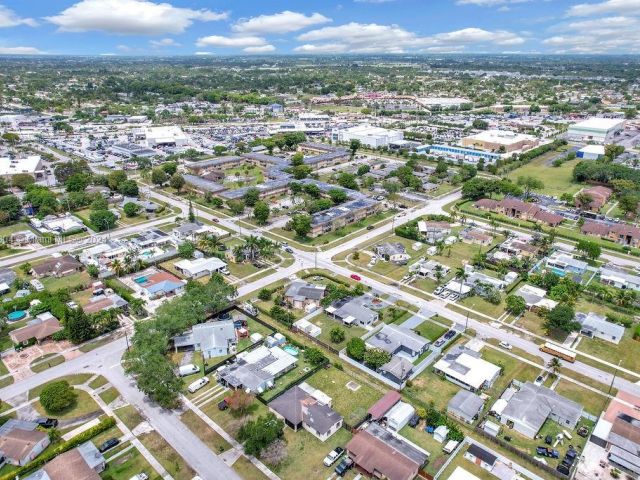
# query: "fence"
(294, 382)
(525, 456)
(315, 340)
(368, 371)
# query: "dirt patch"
(18, 363)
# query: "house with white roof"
(466, 368)
(213, 339)
(597, 326)
(535, 298)
(31, 165)
(619, 278)
(200, 267)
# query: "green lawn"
(5, 341)
(84, 405)
(214, 441)
(425, 440)
(557, 180)
(129, 416)
(592, 402)
(76, 379)
(109, 395)
(247, 470)
(128, 465)
(45, 362)
(305, 454)
(351, 405)
(69, 281)
(327, 323)
(470, 467)
(167, 456)
(429, 387)
(430, 330)
(627, 351)
(512, 369)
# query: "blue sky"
(250, 27)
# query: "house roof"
(466, 402)
(103, 302)
(320, 417)
(532, 405)
(466, 366)
(71, 464)
(382, 406)
(482, 454)
(57, 264)
(38, 329)
(305, 291)
(18, 443)
(289, 404)
(399, 367)
(392, 338)
(598, 323)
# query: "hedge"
(104, 425)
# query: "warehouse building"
(500, 141)
(595, 129)
(368, 135)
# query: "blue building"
(467, 155)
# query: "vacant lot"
(557, 180)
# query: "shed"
(399, 415)
(440, 433)
(491, 428)
(382, 406)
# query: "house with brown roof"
(21, 442)
(40, 328)
(378, 453)
(599, 194)
(515, 208)
(621, 233)
(475, 237)
(82, 463)
(98, 303)
(57, 267)
(382, 406)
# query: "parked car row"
(446, 294)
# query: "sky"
(316, 27)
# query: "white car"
(225, 271)
(189, 369)
(140, 476)
(333, 456)
(198, 384)
(506, 345)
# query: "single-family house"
(300, 409)
(155, 284)
(531, 406)
(200, 267)
(481, 457)
(353, 311)
(213, 339)
(430, 269)
(475, 236)
(619, 278)
(398, 369)
(56, 267)
(392, 252)
(21, 441)
(99, 303)
(465, 406)
(304, 295)
(597, 326)
(379, 453)
(564, 264)
(433, 231)
(466, 368)
(82, 463)
(400, 341)
(535, 298)
(193, 230)
(42, 327)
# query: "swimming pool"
(291, 350)
(17, 315)
(557, 271)
(140, 280)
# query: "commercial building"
(169, 136)
(31, 165)
(500, 141)
(368, 135)
(596, 130)
(531, 406)
(467, 155)
(591, 152)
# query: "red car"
(356, 277)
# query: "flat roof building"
(368, 135)
(596, 129)
(500, 140)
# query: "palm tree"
(209, 243)
(439, 247)
(438, 274)
(117, 267)
(461, 275)
(555, 364)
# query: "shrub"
(58, 396)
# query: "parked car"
(563, 469)
(333, 456)
(225, 271)
(47, 422)
(506, 345)
(344, 466)
(370, 227)
(288, 249)
(215, 220)
(109, 444)
(438, 290)
(140, 476)
(414, 420)
(188, 369)
(439, 342)
(539, 380)
(223, 405)
(548, 452)
(450, 334)
(198, 384)
(357, 278)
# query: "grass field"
(68, 281)
(128, 465)
(247, 470)
(83, 405)
(98, 382)
(426, 441)
(591, 401)
(109, 395)
(44, 362)
(430, 330)
(327, 323)
(557, 180)
(627, 351)
(167, 456)
(129, 416)
(351, 405)
(212, 439)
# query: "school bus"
(558, 351)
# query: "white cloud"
(130, 17)
(203, 53)
(262, 49)
(124, 48)
(282, 22)
(231, 42)
(20, 51)
(374, 38)
(165, 42)
(600, 35)
(624, 7)
(9, 18)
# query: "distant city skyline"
(224, 27)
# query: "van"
(188, 369)
(198, 384)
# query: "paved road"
(106, 361)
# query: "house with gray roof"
(398, 369)
(400, 341)
(532, 405)
(299, 409)
(213, 339)
(304, 295)
(597, 326)
(392, 251)
(352, 311)
(465, 406)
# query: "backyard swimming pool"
(17, 315)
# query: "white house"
(464, 367)
(200, 267)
